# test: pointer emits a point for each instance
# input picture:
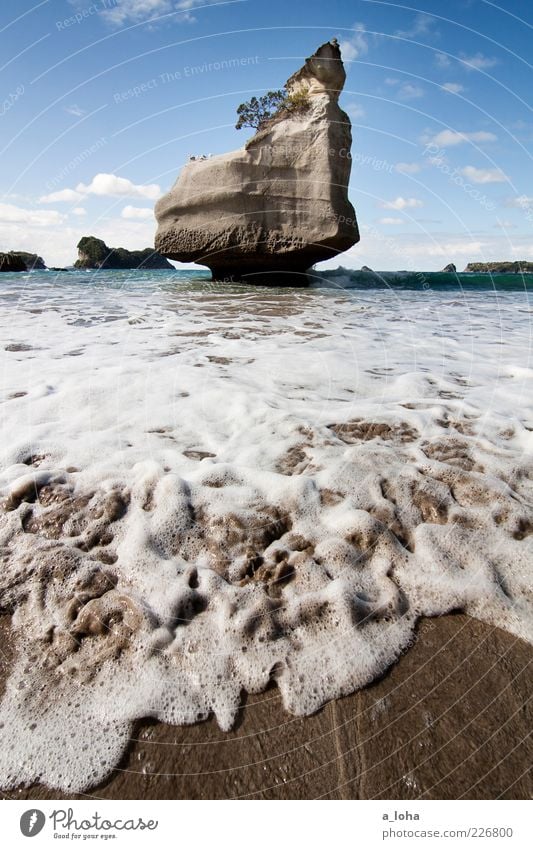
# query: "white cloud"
(57, 244)
(186, 6)
(124, 12)
(408, 167)
(137, 212)
(520, 202)
(63, 196)
(391, 221)
(450, 138)
(422, 25)
(410, 92)
(16, 196)
(407, 91)
(103, 185)
(354, 45)
(505, 225)
(79, 210)
(109, 185)
(387, 248)
(453, 88)
(442, 61)
(467, 248)
(483, 175)
(400, 203)
(478, 62)
(135, 11)
(355, 110)
(32, 217)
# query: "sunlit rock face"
(280, 204)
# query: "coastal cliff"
(281, 203)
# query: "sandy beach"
(451, 720)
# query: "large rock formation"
(21, 261)
(33, 262)
(10, 262)
(94, 253)
(279, 205)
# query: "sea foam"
(205, 490)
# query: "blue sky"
(105, 100)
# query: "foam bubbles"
(181, 523)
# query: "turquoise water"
(200, 280)
(438, 280)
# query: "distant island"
(94, 253)
(520, 267)
(505, 267)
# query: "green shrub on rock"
(257, 112)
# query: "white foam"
(184, 522)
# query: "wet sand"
(450, 720)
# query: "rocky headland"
(281, 203)
(94, 253)
(21, 261)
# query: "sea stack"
(270, 211)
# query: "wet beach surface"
(452, 719)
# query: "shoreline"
(473, 270)
(449, 720)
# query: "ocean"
(208, 487)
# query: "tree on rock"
(256, 111)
